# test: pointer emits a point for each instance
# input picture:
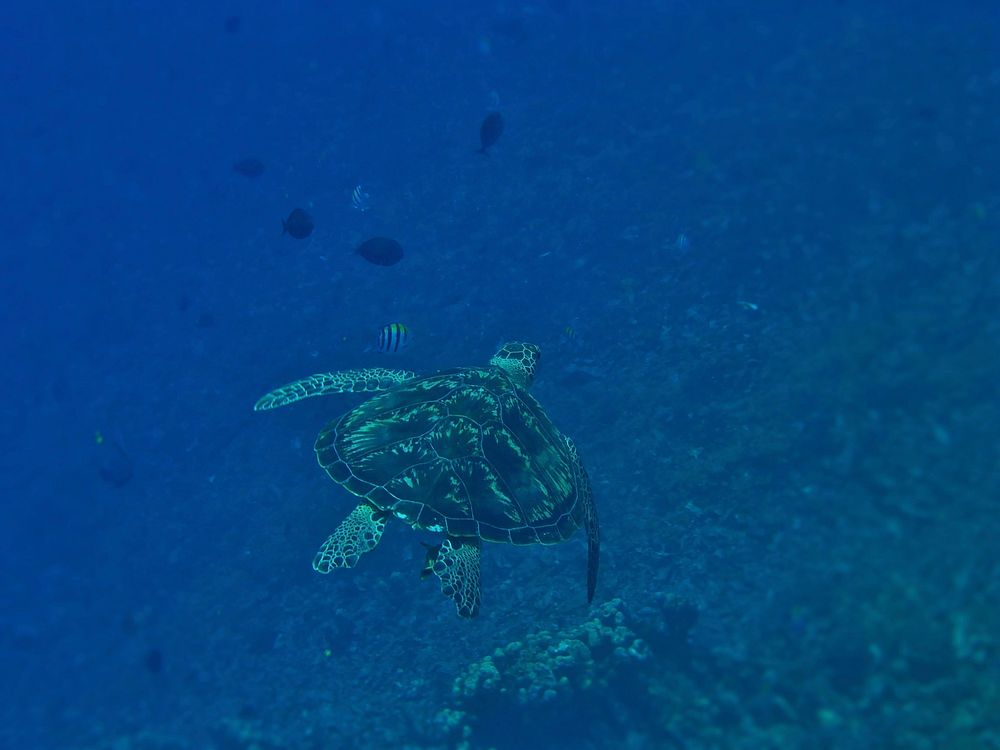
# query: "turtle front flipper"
(357, 534)
(345, 381)
(456, 563)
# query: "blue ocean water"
(757, 244)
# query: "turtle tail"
(593, 541)
(590, 523)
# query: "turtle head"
(518, 361)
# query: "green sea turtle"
(467, 452)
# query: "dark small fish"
(129, 623)
(490, 131)
(249, 167)
(233, 24)
(248, 712)
(511, 27)
(381, 251)
(116, 466)
(263, 642)
(60, 390)
(298, 224)
(154, 661)
(393, 337)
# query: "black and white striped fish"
(393, 337)
(360, 200)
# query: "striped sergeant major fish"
(393, 337)
(360, 200)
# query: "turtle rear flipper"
(357, 534)
(346, 381)
(456, 563)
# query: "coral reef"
(549, 666)
(528, 683)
